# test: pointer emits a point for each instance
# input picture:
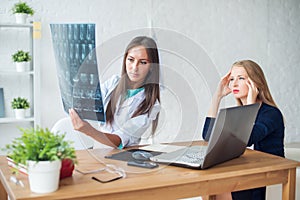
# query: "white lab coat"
(128, 129)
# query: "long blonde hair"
(256, 74)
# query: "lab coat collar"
(136, 99)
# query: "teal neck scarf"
(132, 92)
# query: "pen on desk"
(16, 181)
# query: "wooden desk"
(253, 169)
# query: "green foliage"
(21, 56)
(22, 7)
(40, 145)
(20, 103)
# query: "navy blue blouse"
(267, 136)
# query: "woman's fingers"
(77, 122)
(227, 75)
(252, 85)
(225, 84)
(252, 93)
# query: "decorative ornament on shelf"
(42, 152)
(22, 60)
(20, 105)
(22, 10)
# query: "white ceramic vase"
(22, 66)
(21, 18)
(20, 113)
(43, 176)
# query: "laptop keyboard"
(193, 156)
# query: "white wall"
(219, 32)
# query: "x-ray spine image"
(77, 70)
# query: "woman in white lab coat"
(132, 101)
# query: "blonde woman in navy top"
(247, 83)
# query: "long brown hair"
(256, 74)
(151, 82)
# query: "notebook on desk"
(228, 140)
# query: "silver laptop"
(228, 140)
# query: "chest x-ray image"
(77, 71)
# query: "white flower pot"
(22, 66)
(44, 176)
(21, 18)
(20, 113)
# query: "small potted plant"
(22, 59)
(19, 105)
(42, 152)
(21, 11)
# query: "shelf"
(6, 120)
(14, 72)
(14, 25)
(15, 83)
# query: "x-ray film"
(77, 70)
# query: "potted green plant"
(42, 152)
(22, 59)
(19, 105)
(21, 10)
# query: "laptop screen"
(230, 133)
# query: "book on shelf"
(19, 167)
(2, 114)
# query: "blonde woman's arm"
(222, 90)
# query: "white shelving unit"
(14, 37)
